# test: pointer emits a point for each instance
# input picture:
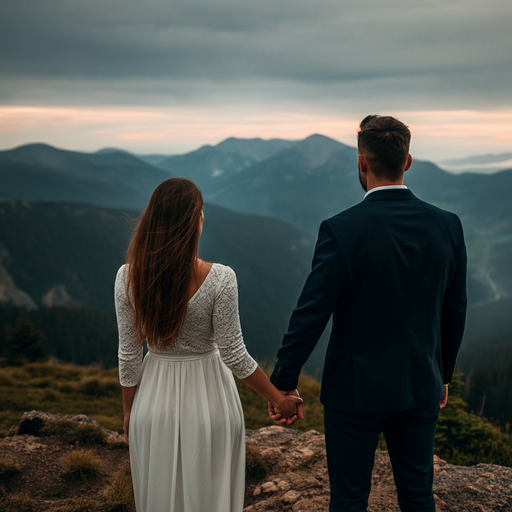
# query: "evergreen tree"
(24, 342)
(464, 438)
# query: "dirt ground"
(42, 477)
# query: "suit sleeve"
(314, 308)
(453, 317)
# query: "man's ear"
(408, 163)
(362, 163)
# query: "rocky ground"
(296, 478)
(41, 484)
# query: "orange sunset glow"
(165, 130)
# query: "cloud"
(191, 45)
(272, 68)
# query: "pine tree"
(24, 342)
(465, 439)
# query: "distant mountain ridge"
(40, 172)
(213, 167)
(484, 164)
(300, 182)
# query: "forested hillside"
(65, 256)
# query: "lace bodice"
(212, 321)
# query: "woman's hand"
(288, 407)
(278, 419)
(284, 407)
(126, 426)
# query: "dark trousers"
(351, 441)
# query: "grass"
(81, 465)
(255, 467)
(74, 432)
(119, 494)
(68, 389)
(76, 506)
(60, 388)
(462, 438)
(8, 469)
(18, 503)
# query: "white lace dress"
(187, 437)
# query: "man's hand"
(278, 419)
(443, 401)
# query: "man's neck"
(385, 187)
(374, 183)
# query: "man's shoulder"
(366, 210)
(349, 213)
(447, 215)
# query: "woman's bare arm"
(128, 394)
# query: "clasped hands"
(288, 410)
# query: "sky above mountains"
(160, 76)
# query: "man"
(392, 273)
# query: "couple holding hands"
(390, 271)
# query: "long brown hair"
(162, 256)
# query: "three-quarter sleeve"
(227, 330)
(130, 350)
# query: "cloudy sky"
(167, 76)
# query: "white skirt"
(187, 436)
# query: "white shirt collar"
(385, 187)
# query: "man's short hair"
(384, 141)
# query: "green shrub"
(100, 388)
(8, 469)
(81, 465)
(465, 439)
(43, 383)
(54, 371)
(255, 467)
(92, 388)
(50, 396)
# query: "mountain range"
(265, 197)
(299, 182)
(40, 172)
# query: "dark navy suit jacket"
(392, 273)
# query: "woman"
(183, 415)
